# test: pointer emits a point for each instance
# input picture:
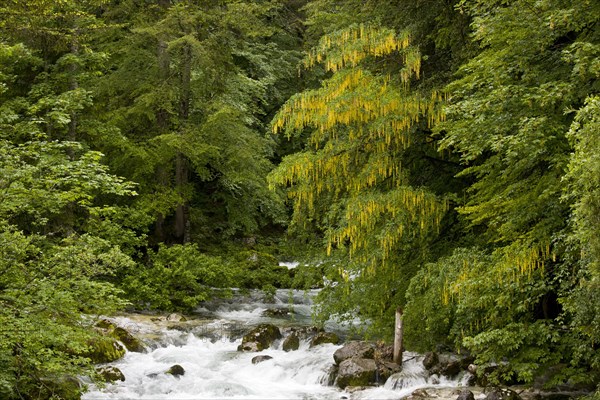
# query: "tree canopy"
(439, 156)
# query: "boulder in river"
(354, 349)
(260, 338)
(111, 373)
(259, 359)
(431, 359)
(175, 370)
(447, 364)
(356, 372)
(131, 342)
(324, 337)
(291, 343)
(104, 350)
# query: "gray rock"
(259, 359)
(451, 368)
(466, 395)
(384, 352)
(358, 349)
(356, 372)
(448, 365)
(105, 324)
(466, 361)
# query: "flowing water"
(206, 347)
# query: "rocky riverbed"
(268, 350)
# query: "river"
(206, 347)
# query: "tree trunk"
(182, 225)
(399, 332)
(181, 213)
(162, 120)
(73, 85)
(69, 217)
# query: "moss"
(131, 342)
(324, 337)
(292, 342)
(104, 350)
(110, 374)
(260, 338)
(62, 387)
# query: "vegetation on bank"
(442, 157)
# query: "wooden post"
(398, 337)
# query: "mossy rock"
(131, 342)
(324, 337)
(260, 338)
(356, 372)
(62, 387)
(104, 350)
(110, 374)
(106, 325)
(175, 370)
(276, 312)
(291, 343)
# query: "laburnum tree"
(350, 182)
(370, 181)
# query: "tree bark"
(398, 334)
(162, 119)
(182, 225)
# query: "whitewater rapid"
(206, 348)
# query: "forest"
(442, 156)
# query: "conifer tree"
(191, 119)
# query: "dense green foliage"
(509, 272)
(440, 156)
